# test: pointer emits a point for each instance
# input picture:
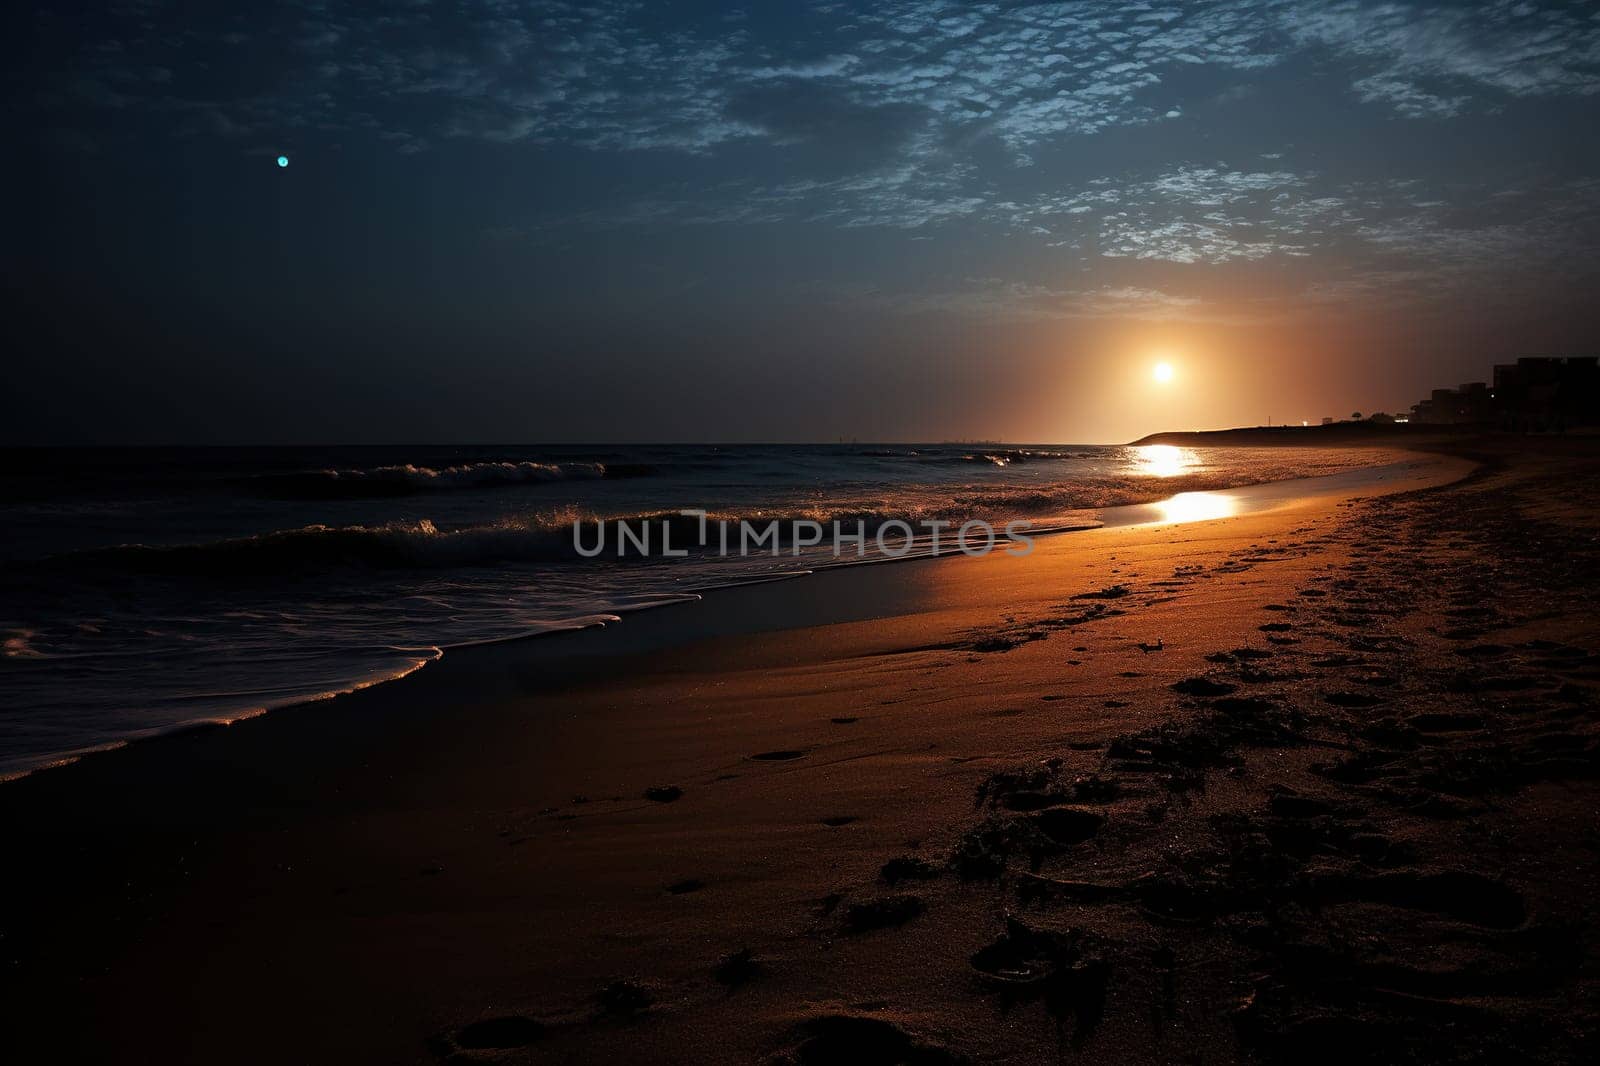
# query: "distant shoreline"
(1334, 434)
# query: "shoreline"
(1331, 435)
(1245, 499)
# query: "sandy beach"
(1314, 780)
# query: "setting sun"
(1162, 372)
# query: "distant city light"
(283, 160)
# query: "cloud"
(793, 111)
(1408, 98)
(1014, 300)
(1508, 46)
(632, 76)
(916, 117)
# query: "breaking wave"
(407, 479)
(548, 537)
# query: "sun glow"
(1163, 373)
(1196, 507)
(1163, 460)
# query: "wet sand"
(1156, 793)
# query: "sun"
(1163, 373)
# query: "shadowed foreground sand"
(1309, 783)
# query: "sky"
(916, 220)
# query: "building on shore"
(1458, 406)
(1537, 395)
(1547, 395)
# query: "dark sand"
(1309, 784)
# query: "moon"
(1163, 373)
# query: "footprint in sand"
(498, 1034)
(1068, 969)
(1352, 699)
(1458, 894)
(1446, 722)
(883, 913)
(907, 868)
(1033, 801)
(1339, 660)
(1111, 592)
(625, 997)
(1243, 706)
(737, 968)
(1067, 826)
(1203, 687)
(847, 1038)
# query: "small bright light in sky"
(283, 160)
(1163, 372)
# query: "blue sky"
(790, 221)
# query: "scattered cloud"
(1511, 47)
(628, 75)
(907, 115)
(1013, 300)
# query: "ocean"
(143, 590)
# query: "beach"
(1208, 790)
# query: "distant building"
(1532, 395)
(1458, 406)
(1547, 394)
(1327, 420)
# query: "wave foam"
(408, 479)
(548, 536)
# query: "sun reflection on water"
(1163, 460)
(1196, 507)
